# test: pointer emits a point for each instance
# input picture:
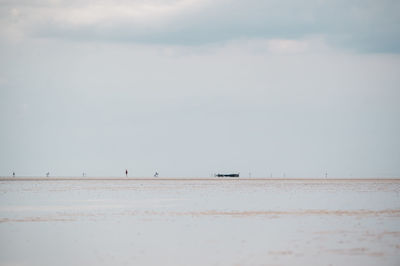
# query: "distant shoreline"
(194, 179)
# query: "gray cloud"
(366, 26)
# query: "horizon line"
(119, 178)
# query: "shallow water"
(199, 222)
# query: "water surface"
(199, 222)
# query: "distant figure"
(83, 174)
(47, 174)
(326, 175)
(13, 174)
(156, 174)
(126, 172)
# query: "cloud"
(366, 26)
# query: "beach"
(199, 221)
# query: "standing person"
(13, 174)
(126, 172)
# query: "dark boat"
(227, 175)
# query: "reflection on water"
(200, 222)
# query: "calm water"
(199, 222)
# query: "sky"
(190, 88)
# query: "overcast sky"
(193, 87)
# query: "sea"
(203, 221)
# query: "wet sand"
(199, 221)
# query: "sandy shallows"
(158, 221)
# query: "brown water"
(199, 222)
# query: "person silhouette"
(126, 172)
(13, 174)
